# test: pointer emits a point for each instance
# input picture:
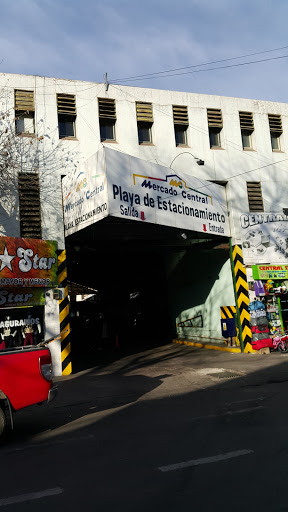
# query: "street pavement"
(163, 429)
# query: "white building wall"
(229, 164)
(220, 164)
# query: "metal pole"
(280, 312)
(236, 298)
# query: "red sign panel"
(28, 262)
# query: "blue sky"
(84, 39)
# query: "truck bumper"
(52, 393)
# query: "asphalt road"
(166, 429)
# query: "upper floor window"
(255, 199)
(107, 119)
(275, 125)
(181, 123)
(24, 112)
(66, 105)
(144, 114)
(29, 205)
(247, 128)
(215, 125)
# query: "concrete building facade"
(240, 144)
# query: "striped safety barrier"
(64, 315)
(242, 296)
(227, 311)
(230, 312)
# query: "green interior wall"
(199, 282)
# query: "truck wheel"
(2, 422)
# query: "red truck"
(25, 379)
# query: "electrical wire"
(199, 65)
(209, 69)
(203, 132)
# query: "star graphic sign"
(6, 260)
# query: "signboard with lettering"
(11, 298)
(130, 188)
(264, 272)
(21, 327)
(85, 194)
(264, 238)
(28, 262)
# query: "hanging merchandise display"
(259, 289)
(269, 317)
(259, 325)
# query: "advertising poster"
(28, 262)
(264, 238)
(21, 327)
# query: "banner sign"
(119, 185)
(28, 262)
(264, 238)
(85, 195)
(9, 298)
(263, 272)
(148, 192)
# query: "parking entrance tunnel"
(129, 282)
(131, 226)
(118, 289)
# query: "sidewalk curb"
(208, 346)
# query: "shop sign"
(27, 262)
(133, 189)
(11, 298)
(264, 238)
(264, 272)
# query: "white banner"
(85, 195)
(264, 238)
(119, 185)
(148, 192)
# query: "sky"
(85, 39)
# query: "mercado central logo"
(83, 190)
(173, 202)
(28, 262)
(172, 185)
(80, 183)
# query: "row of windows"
(215, 125)
(66, 107)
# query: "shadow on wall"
(199, 284)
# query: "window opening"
(66, 105)
(181, 123)
(24, 112)
(215, 125)
(144, 114)
(247, 128)
(275, 125)
(255, 199)
(29, 205)
(107, 119)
